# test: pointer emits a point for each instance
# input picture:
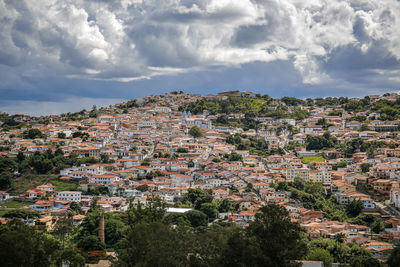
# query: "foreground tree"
(278, 241)
(21, 245)
(271, 240)
(394, 259)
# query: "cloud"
(35, 108)
(327, 43)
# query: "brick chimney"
(101, 229)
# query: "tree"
(196, 218)
(299, 183)
(93, 112)
(182, 150)
(340, 237)
(354, 207)
(22, 214)
(319, 254)
(210, 210)
(225, 205)
(216, 160)
(61, 135)
(63, 227)
(22, 246)
(153, 244)
(196, 132)
(76, 207)
(365, 262)
(365, 167)
(5, 180)
(277, 239)
(104, 158)
(143, 188)
(91, 242)
(223, 119)
(20, 156)
(234, 157)
(249, 187)
(191, 164)
(394, 258)
(32, 134)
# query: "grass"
(14, 204)
(309, 159)
(2, 212)
(63, 186)
(29, 181)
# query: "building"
(69, 196)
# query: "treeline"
(263, 106)
(387, 110)
(40, 163)
(147, 236)
(348, 148)
(256, 146)
(314, 196)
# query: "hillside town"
(332, 163)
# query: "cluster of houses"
(150, 153)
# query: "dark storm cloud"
(55, 50)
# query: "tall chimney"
(101, 229)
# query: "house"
(4, 196)
(104, 179)
(46, 223)
(354, 125)
(69, 196)
(320, 176)
(46, 187)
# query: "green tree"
(196, 132)
(196, 218)
(21, 246)
(22, 214)
(319, 254)
(91, 242)
(225, 205)
(277, 239)
(61, 135)
(32, 134)
(5, 180)
(210, 210)
(365, 262)
(75, 207)
(365, 167)
(234, 157)
(354, 207)
(249, 187)
(20, 156)
(394, 258)
(63, 227)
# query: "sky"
(65, 55)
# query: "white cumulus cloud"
(133, 39)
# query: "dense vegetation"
(259, 106)
(37, 163)
(256, 146)
(146, 236)
(314, 196)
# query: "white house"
(69, 195)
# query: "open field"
(309, 159)
(14, 204)
(63, 186)
(29, 181)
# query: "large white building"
(196, 121)
(69, 195)
(106, 178)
